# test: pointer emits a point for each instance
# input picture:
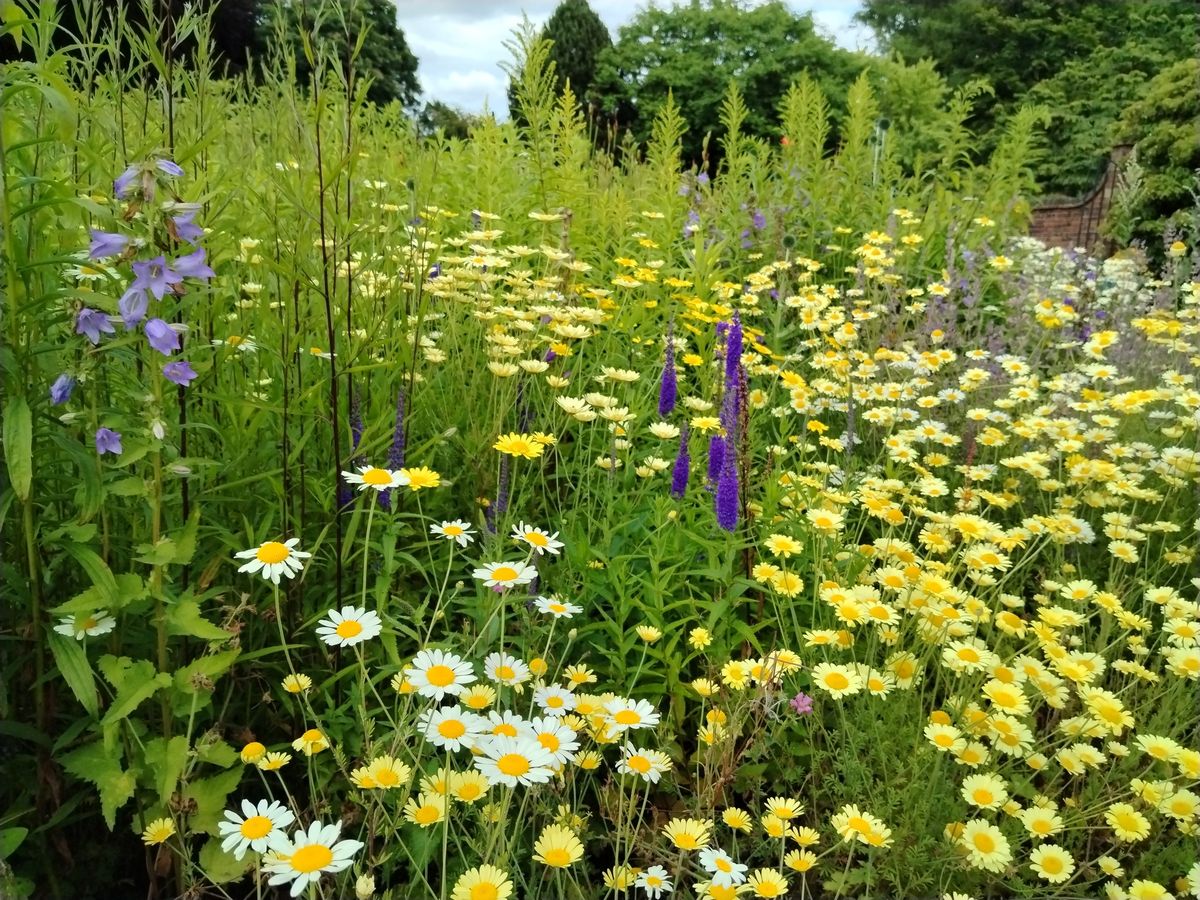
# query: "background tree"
(453, 122)
(696, 50)
(385, 56)
(1162, 126)
(579, 37)
(1085, 60)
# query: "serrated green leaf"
(213, 666)
(128, 487)
(129, 588)
(98, 766)
(18, 445)
(135, 683)
(165, 760)
(185, 539)
(210, 795)
(159, 554)
(75, 669)
(218, 754)
(221, 867)
(185, 618)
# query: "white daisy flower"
(274, 559)
(253, 828)
(455, 530)
(539, 539)
(504, 669)
(373, 477)
(512, 761)
(436, 673)
(304, 858)
(451, 727)
(654, 881)
(553, 606)
(646, 764)
(90, 625)
(559, 739)
(725, 872)
(503, 575)
(554, 700)
(625, 714)
(352, 625)
(505, 724)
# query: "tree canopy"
(695, 50)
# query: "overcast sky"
(460, 43)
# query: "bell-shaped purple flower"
(92, 322)
(155, 276)
(133, 306)
(185, 229)
(106, 243)
(123, 186)
(60, 391)
(193, 265)
(108, 441)
(168, 168)
(179, 372)
(162, 337)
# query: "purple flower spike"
(60, 391)
(193, 265)
(727, 495)
(802, 703)
(180, 372)
(155, 276)
(133, 305)
(108, 441)
(669, 388)
(162, 337)
(168, 168)
(716, 457)
(683, 465)
(122, 187)
(92, 323)
(733, 351)
(106, 243)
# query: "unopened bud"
(364, 887)
(158, 429)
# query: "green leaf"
(157, 554)
(185, 539)
(184, 618)
(166, 761)
(210, 795)
(98, 766)
(75, 669)
(101, 575)
(218, 754)
(128, 487)
(221, 867)
(135, 683)
(10, 840)
(211, 666)
(129, 588)
(18, 445)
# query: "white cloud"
(460, 43)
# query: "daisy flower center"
(349, 628)
(505, 672)
(557, 608)
(256, 827)
(504, 573)
(272, 552)
(983, 796)
(554, 702)
(557, 857)
(386, 777)
(538, 540)
(440, 676)
(484, 892)
(627, 717)
(984, 843)
(837, 681)
(505, 730)
(311, 858)
(376, 476)
(1052, 864)
(515, 765)
(427, 815)
(452, 530)
(86, 624)
(550, 742)
(639, 764)
(452, 729)
(722, 864)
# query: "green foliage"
(364, 31)
(577, 37)
(696, 50)
(1161, 126)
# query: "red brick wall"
(1076, 223)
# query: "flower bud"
(364, 887)
(158, 429)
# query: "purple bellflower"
(92, 322)
(106, 243)
(162, 337)
(179, 372)
(108, 441)
(60, 391)
(155, 276)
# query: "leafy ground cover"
(488, 519)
